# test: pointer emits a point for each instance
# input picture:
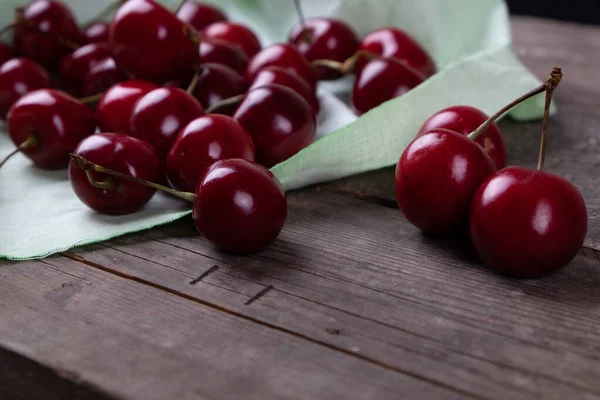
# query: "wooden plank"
(574, 139)
(137, 341)
(422, 307)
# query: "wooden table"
(350, 303)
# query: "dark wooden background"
(584, 11)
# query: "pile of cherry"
(191, 100)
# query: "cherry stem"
(553, 80)
(300, 13)
(21, 20)
(89, 167)
(105, 12)
(346, 67)
(181, 3)
(31, 141)
(92, 99)
(192, 35)
(552, 84)
(10, 27)
(226, 102)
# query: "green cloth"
(469, 40)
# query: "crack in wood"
(205, 274)
(259, 295)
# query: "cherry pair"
(524, 223)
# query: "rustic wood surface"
(350, 303)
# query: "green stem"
(105, 12)
(224, 103)
(89, 167)
(300, 13)
(192, 35)
(31, 142)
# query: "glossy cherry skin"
(281, 55)
(527, 223)
(56, 119)
(18, 77)
(240, 206)
(200, 15)
(113, 112)
(215, 51)
(283, 77)
(150, 43)
(381, 80)
(75, 68)
(465, 120)
(395, 43)
(51, 20)
(6, 53)
(279, 121)
(216, 83)
(101, 77)
(203, 142)
(237, 34)
(123, 154)
(98, 32)
(325, 39)
(436, 179)
(161, 114)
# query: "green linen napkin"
(470, 41)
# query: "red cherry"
(49, 24)
(381, 80)
(102, 76)
(98, 32)
(280, 122)
(437, 177)
(283, 77)
(76, 67)
(464, 120)
(199, 15)
(114, 110)
(18, 77)
(237, 34)
(284, 56)
(325, 39)
(161, 114)
(56, 120)
(6, 53)
(395, 43)
(203, 142)
(216, 51)
(527, 223)
(240, 206)
(150, 43)
(217, 83)
(123, 154)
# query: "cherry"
(217, 83)
(199, 15)
(239, 206)
(395, 43)
(46, 125)
(161, 114)
(123, 154)
(437, 177)
(217, 51)
(102, 76)
(47, 33)
(18, 77)
(383, 79)
(236, 34)
(283, 77)
(116, 105)
(284, 56)
(203, 142)
(464, 120)
(76, 67)
(325, 39)
(279, 120)
(97, 32)
(6, 53)
(150, 43)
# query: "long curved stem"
(105, 12)
(346, 67)
(31, 142)
(192, 35)
(88, 167)
(300, 13)
(92, 99)
(226, 102)
(553, 79)
(553, 82)
(8, 28)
